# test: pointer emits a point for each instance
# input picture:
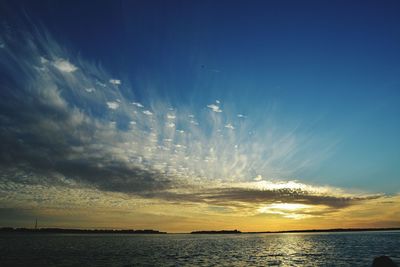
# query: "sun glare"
(288, 206)
(287, 210)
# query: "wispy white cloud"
(63, 65)
(229, 126)
(115, 81)
(258, 178)
(171, 116)
(137, 104)
(214, 108)
(112, 105)
(90, 90)
(97, 82)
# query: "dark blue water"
(298, 249)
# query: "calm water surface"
(297, 249)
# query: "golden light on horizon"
(287, 210)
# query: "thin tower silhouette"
(36, 224)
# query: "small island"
(77, 231)
(218, 232)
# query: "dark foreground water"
(299, 249)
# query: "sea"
(284, 249)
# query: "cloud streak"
(62, 65)
(214, 108)
(251, 194)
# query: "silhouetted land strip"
(327, 230)
(217, 232)
(150, 231)
(77, 231)
(299, 231)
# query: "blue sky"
(304, 91)
(331, 66)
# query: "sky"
(196, 115)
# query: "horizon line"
(153, 231)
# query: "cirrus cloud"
(51, 128)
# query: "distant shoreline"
(77, 231)
(334, 230)
(216, 232)
(207, 232)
